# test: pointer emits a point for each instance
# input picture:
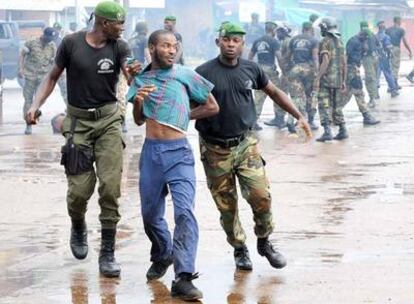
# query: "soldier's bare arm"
(208, 109)
(280, 98)
(407, 46)
(45, 89)
(322, 71)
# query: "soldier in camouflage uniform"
(267, 49)
(282, 32)
(331, 80)
(397, 34)
(303, 53)
(355, 49)
(36, 60)
(229, 150)
(370, 63)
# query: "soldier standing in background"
(397, 33)
(139, 43)
(267, 49)
(303, 53)
(355, 48)
(330, 82)
(253, 30)
(169, 24)
(36, 60)
(384, 49)
(283, 35)
(370, 63)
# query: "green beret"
(306, 25)
(110, 10)
(363, 24)
(313, 17)
(170, 18)
(271, 23)
(57, 25)
(230, 28)
(397, 18)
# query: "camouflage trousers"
(331, 104)
(370, 64)
(104, 137)
(222, 166)
(301, 79)
(395, 61)
(29, 91)
(354, 87)
(260, 96)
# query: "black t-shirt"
(301, 47)
(354, 50)
(266, 47)
(396, 34)
(233, 90)
(92, 74)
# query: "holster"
(77, 159)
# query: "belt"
(93, 113)
(224, 142)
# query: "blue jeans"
(385, 67)
(168, 165)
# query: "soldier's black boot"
(257, 127)
(410, 77)
(369, 119)
(278, 121)
(242, 258)
(312, 123)
(107, 263)
(291, 128)
(342, 134)
(79, 239)
(327, 134)
(275, 258)
(158, 269)
(183, 288)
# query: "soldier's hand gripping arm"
(45, 89)
(280, 98)
(208, 109)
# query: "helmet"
(328, 25)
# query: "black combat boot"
(158, 269)
(79, 239)
(278, 121)
(183, 288)
(369, 120)
(242, 258)
(342, 134)
(28, 130)
(291, 128)
(327, 134)
(275, 258)
(257, 127)
(410, 77)
(394, 93)
(312, 123)
(107, 263)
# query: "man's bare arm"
(44, 91)
(208, 109)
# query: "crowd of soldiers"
(320, 72)
(313, 67)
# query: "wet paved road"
(343, 213)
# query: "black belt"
(224, 142)
(93, 113)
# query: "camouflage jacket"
(334, 48)
(38, 59)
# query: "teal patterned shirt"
(169, 104)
